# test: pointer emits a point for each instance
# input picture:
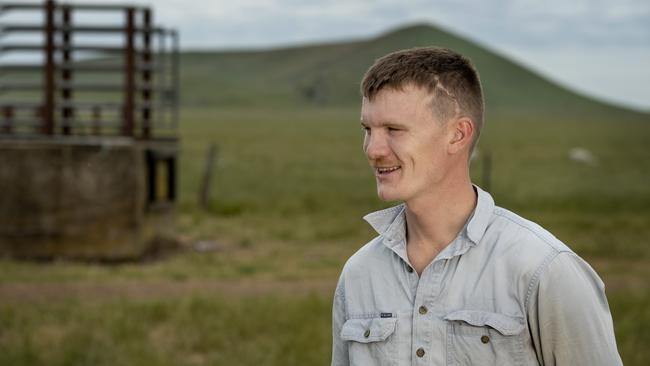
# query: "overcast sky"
(598, 47)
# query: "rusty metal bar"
(48, 97)
(148, 95)
(91, 104)
(39, 6)
(129, 74)
(66, 73)
(175, 76)
(146, 75)
(105, 68)
(105, 87)
(98, 87)
(23, 47)
(103, 7)
(103, 49)
(11, 28)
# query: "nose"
(375, 145)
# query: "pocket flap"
(368, 330)
(504, 324)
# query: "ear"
(462, 132)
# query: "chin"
(388, 195)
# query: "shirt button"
(409, 269)
(485, 339)
(420, 352)
(367, 333)
(423, 310)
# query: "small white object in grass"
(206, 246)
(583, 156)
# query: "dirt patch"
(22, 293)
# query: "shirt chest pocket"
(371, 341)
(484, 338)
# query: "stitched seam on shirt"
(374, 315)
(535, 280)
(527, 227)
(450, 345)
(340, 292)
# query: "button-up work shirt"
(504, 292)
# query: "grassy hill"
(290, 187)
(329, 75)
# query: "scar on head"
(441, 87)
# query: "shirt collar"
(480, 219)
(390, 222)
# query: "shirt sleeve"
(339, 347)
(569, 316)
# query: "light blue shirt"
(504, 292)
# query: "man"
(453, 279)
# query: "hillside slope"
(329, 74)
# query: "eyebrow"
(385, 124)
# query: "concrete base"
(79, 198)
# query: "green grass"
(303, 177)
(289, 191)
(204, 329)
(194, 330)
(290, 187)
(631, 312)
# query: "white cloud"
(528, 29)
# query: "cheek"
(423, 157)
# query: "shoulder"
(541, 255)
(521, 248)
(569, 272)
(519, 231)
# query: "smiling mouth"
(383, 171)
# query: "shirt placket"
(428, 346)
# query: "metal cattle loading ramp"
(79, 98)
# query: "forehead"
(397, 106)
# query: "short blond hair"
(449, 76)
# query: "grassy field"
(290, 188)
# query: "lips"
(386, 170)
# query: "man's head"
(449, 77)
(421, 112)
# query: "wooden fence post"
(204, 195)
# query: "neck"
(436, 218)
